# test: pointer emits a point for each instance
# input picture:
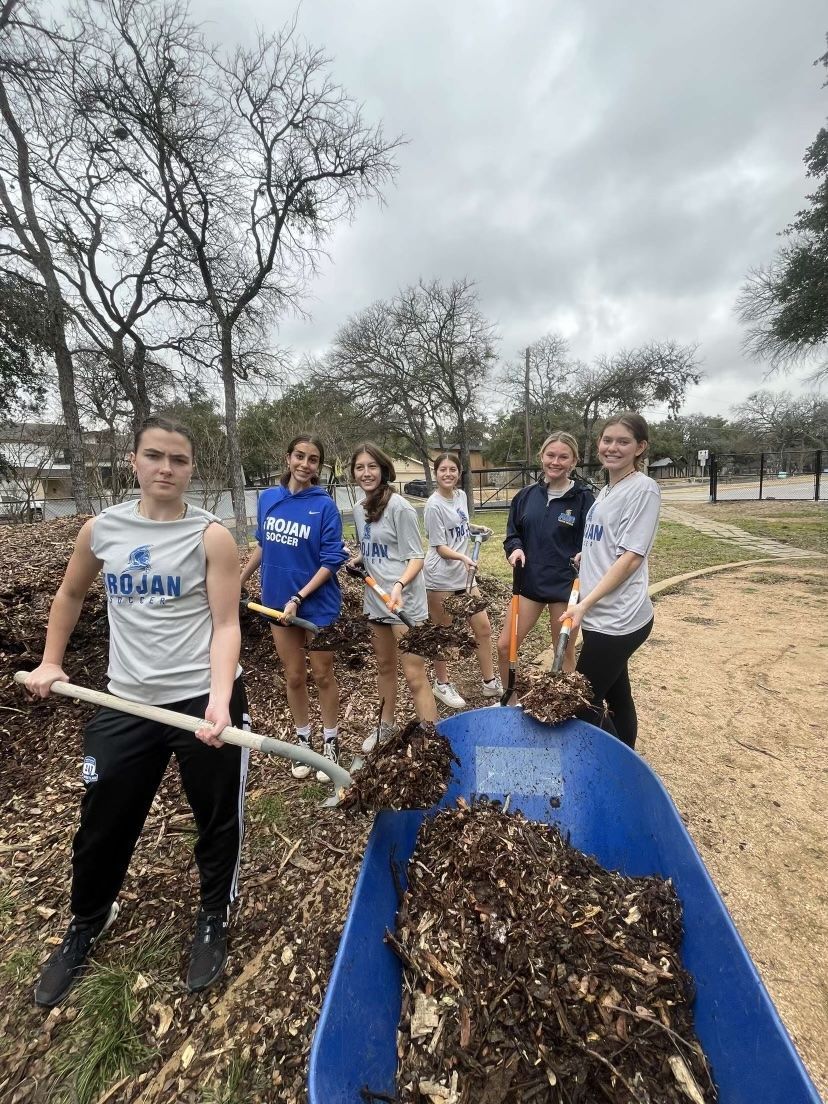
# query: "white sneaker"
(330, 750)
(383, 731)
(493, 689)
(446, 692)
(302, 770)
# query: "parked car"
(15, 510)
(417, 488)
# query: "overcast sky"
(607, 169)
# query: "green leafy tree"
(785, 304)
(25, 348)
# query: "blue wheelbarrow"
(615, 808)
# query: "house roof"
(665, 463)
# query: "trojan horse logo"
(139, 558)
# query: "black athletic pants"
(603, 660)
(124, 761)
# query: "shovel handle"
(566, 628)
(477, 541)
(338, 775)
(514, 613)
(359, 571)
(278, 616)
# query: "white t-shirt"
(623, 518)
(387, 546)
(446, 523)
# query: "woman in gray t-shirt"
(447, 568)
(615, 612)
(392, 550)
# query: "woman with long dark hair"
(615, 612)
(446, 572)
(300, 550)
(392, 550)
(170, 576)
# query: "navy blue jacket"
(550, 534)
(299, 533)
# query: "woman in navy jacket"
(544, 531)
(300, 549)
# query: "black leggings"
(603, 660)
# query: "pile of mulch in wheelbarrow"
(410, 770)
(533, 974)
(553, 696)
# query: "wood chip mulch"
(410, 770)
(554, 697)
(532, 974)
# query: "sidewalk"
(732, 534)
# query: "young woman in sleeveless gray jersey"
(446, 572)
(615, 612)
(392, 550)
(170, 573)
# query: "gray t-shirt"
(160, 624)
(387, 546)
(622, 519)
(446, 523)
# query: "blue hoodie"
(298, 534)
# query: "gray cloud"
(612, 169)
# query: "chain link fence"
(788, 475)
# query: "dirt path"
(732, 715)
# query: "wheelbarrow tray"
(613, 807)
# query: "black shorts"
(561, 596)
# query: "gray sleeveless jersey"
(160, 626)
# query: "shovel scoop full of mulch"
(438, 641)
(410, 770)
(530, 973)
(465, 605)
(349, 638)
(552, 697)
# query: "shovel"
(566, 629)
(477, 540)
(359, 571)
(338, 775)
(514, 609)
(277, 616)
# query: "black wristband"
(297, 599)
(402, 584)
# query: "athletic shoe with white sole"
(302, 770)
(331, 751)
(65, 965)
(208, 952)
(493, 688)
(446, 692)
(383, 732)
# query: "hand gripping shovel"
(338, 775)
(278, 617)
(359, 571)
(514, 609)
(566, 629)
(477, 540)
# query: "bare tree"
(255, 156)
(633, 379)
(26, 62)
(27, 454)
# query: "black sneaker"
(330, 751)
(65, 965)
(209, 950)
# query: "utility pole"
(527, 427)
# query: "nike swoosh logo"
(314, 511)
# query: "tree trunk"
(465, 464)
(234, 463)
(588, 424)
(71, 418)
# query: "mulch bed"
(533, 974)
(410, 770)
(299, 863)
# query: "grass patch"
(269, 810)
(313, 792)
(103, 1044)
(802, 524)
(20, 966)
(8, 908)
(242, 1083)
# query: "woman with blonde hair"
(391, 549)
(544, 534)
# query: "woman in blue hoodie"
(544, 532)
(300, 550)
